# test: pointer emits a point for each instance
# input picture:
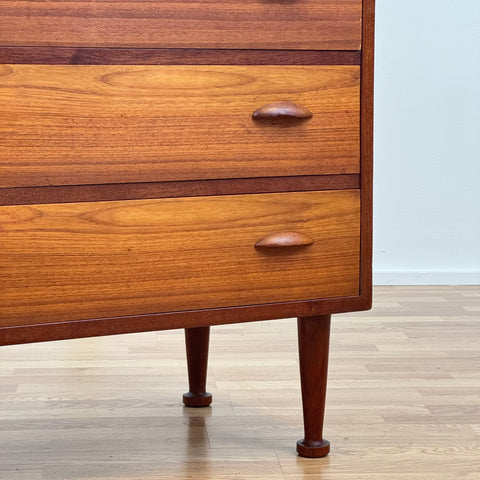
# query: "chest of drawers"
(171, 165)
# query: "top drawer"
(268, 24)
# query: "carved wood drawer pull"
(284, 239)
(277, 110)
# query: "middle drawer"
(71, 124)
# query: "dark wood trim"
(173, 56)
(366, 154)
(168, 321)
(193, 188)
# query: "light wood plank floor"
(403, 400)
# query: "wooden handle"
(284, 239)
(281, 110)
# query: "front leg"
(313, 343)
(196, 342)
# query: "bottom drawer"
(62, 262)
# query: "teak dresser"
(170, 164)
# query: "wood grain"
(306, 24)
(77, 261)
(93, 124)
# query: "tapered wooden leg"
(313, 342)
(196, 341)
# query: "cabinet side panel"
(366, 122)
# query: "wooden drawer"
(303, 24)
(75, 125)
(89, 260)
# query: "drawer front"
(62, 262)
(303, 24)
(62, 125)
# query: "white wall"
(427, 142)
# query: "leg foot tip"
(197, 399)
(313, 449)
